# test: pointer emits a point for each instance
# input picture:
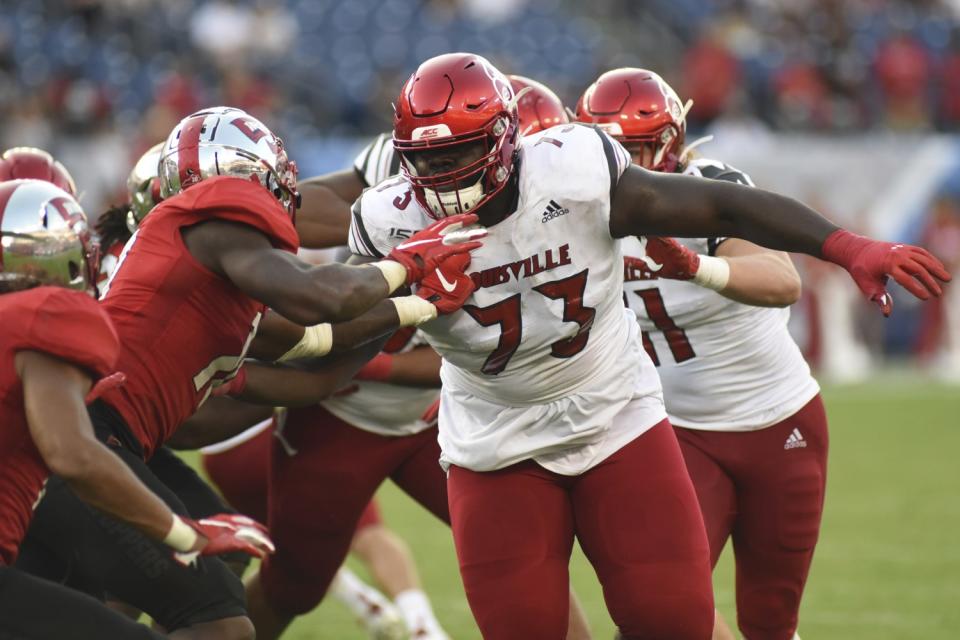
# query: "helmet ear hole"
(74, 270)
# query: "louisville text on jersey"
(529, 266)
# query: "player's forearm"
(217, 420)
(280, 385)
(417, 368)
(102, 480)
(275, 336)
(379, 322)
(280, 340)
(648, 203)
(771, 220)
(762, 280)
(331, 293)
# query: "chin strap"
(687, 149)
(513, 102)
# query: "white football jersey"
(724, 366)
(544, 355)
(385, 409)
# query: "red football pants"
(764, 489)
(637, 520)
(318, 495)
(241, 474)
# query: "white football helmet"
(143, 186)
(223, 141)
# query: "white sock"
(418, 614)
(363, 600)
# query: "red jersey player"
(57, 343)
(186, 298)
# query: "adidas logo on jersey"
(553, 210)
(795, 440)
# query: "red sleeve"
(247, 202)
(71, 326)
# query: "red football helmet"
(538, 107)
(31, 163)
(456, 100)
(638, 108)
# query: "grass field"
(888, 562)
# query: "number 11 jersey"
(725, 366)
(543, 356)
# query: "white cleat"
(423, 633)
(384, 622)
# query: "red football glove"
(432, 415)
(428, 247)
(667, 258)
(447, 286)
(869, 262)
(228, 532)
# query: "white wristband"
(181, 536)
(414, 310)
(316, 341)
(393, 272)
(714, 273)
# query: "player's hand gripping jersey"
(184, 328)
(68, 325)
(724, 366)
(543, 355)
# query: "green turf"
(888, 562)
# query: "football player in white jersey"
(371, 431)
(552, 423)
(745, 408)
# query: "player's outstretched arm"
(323, 219)
(740, 270)
(303, 293)
(649, 203)
(443, 290)
(311, 295)
(303, 383)
(53, 393)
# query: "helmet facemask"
(657, 151)
(478, 175)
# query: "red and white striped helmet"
(223, 141)
(44, 238)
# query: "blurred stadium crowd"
(329, 66)
(96, 82)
